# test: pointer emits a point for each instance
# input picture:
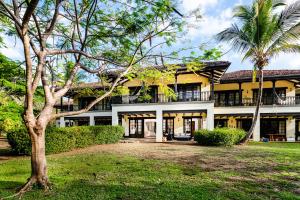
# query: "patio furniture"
(277, 137)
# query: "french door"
(136, 128)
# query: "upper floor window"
(227, 98)
(268, 96)
(143, 94)
(189, 92)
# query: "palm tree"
(263, 31)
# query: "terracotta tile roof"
(247, 74)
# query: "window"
(191, 124)
(219, 123)
(189, 92)
(168, 125)
(268, 98)
(136, 128)
(282, 127)
(272, 126)
(227, 98)
(102, 121)
(84, 101)
(143, 94)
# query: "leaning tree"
(263, 31)
(95, 36)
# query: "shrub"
(219, 136)
(19, 141)
(66, 139)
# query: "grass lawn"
(165, 171)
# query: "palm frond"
(290, 15)
(236, 37)
(244, 13)
(287, 29)
(285, 48)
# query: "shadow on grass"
(85, 189)
(5, 152)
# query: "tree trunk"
(258, 103)
(38, 158)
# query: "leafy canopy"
(264, 30)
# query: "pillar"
(210, 119)
(291, 129)
(256, 132)
(274, 92)
(92, 121)
(212, 89)
(240, 94)
(204, 123)
(159, 121)
(126, 127)
(62, 122)
(115, 118)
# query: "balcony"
(282, 101)
(93, 109)
(193, 96)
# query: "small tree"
(261, 34)
(96, 36)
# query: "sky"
(216, 16)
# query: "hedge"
(66, 139)
(219, 136)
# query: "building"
(205, 99)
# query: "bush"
(66, 139)
(219, 136)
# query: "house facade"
(205, 99)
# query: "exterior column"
(159, 121)
(62, 122)
(274, 91)
(256, 132)
(61, 104)
(176, 85)
(291, 129)
(210, 119)
(92, 121)
(115, 118)
(240, 94)
(212, 89)
(126, 128)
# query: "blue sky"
(216, 16)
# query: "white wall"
(291, 129)
(160, 108)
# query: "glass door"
(136, 128)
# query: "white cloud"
(209, 25)
(290, 1)
(13, 48)
(189, 5)
(286, 61)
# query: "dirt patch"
(3, 143)
(189, 155)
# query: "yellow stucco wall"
(181, 79)
(178, 120)
(249, 86)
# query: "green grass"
(256, 171)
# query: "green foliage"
(213, 54)
(205, 173)
(219, 136)
(10, 113)
(66, 139)
(11, 70)
(264, 30)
